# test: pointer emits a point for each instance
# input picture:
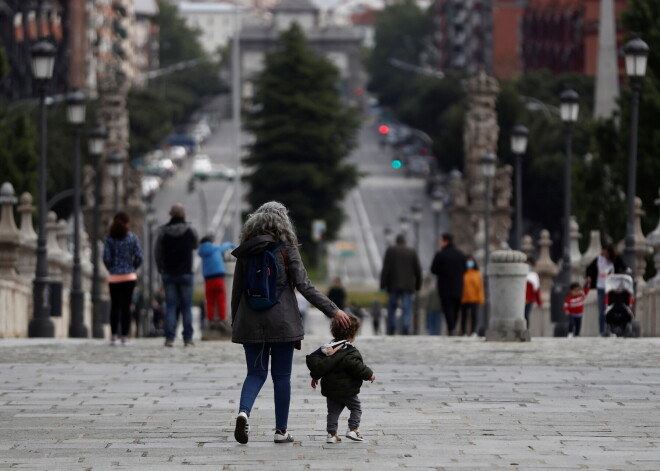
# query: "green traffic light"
(396, 164)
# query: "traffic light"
(383, 129)
(396, 163)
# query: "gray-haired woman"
(272, 334)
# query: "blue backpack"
(261, 279)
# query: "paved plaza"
(437, 403)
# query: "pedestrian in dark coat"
(269, 336)
(449, 265)
(400, 277)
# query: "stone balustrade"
(18, 261)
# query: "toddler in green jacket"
(339, 366)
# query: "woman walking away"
(473, 295)
(122, 256)
(607, 263)
(271, 333)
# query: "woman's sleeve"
(298, 278)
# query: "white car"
(202, 167)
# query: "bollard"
(507, 273)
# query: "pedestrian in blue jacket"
(213, 269)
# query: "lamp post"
(115, 162)
(75, 103)
(518, 147)
(416, 215)
(97, 137)
(488, 163)
(43, 61)
(637, 52)
(437, 205)
(568, 109)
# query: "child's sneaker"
(332, 438)
(354, 435)
(242, 428)
(282, 436)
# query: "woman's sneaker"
(242, 428)
(282, 436)
(354, 435)
(332, 438)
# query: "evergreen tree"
(303, 134)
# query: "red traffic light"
(383, 129)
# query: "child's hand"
(314, 383)
(373, 378)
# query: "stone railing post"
(576, 269)
(653, 240)
(27, 249)
(547, 270)
(9, 235)
(641, 248)
(67, 258)
(507, 273)
(527, 245)
(593, 250)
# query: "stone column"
(641, 247)
(27, 249)
(9, 235)
(527, 245)
(507, 272)
(653, 240)
(593, 250)
(547, 270)
(576, 269)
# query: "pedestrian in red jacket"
(574, 308)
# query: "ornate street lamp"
(75, 107)
(115, 162)
(488, 163)
(518, 147)
(96, 142)
(637, 52)
(416, 215)
(569, 109)
(43, 62)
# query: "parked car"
(202, 167)
(150, 186)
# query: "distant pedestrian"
(273, 333)
(337, 293)
(339, 367)
(376, 314)
(175, 243)
(401, 276)
(607, 263)
(430, 301)
(122, 256)
(532, 290)
(213, 269)
(574, 308)
(473, 296)
(449, 265)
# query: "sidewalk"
(437, 403)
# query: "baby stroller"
(619, 300)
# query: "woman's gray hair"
(270, 218)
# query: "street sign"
(318, 230)
(346, 249)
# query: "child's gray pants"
(335, 406)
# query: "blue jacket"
(121, 256)
(213, 264)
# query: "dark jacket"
(175, 244)
(282, 322)
(341, 374)
(592, 270)
(122, 256)
(401, 269)
(449, 266)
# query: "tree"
(402, 32)
(303, 134)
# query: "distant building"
(146, 38)
(562, 35)
(363, 20)
(507, 16)
(463, 35)
(340, 44)
(214, 20)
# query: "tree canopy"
(303, 134)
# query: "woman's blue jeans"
(256, 357)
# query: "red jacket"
(574, 305)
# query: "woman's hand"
(314, 383)
(342, 318)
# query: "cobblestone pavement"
(437, 403)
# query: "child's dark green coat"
(341, 374)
